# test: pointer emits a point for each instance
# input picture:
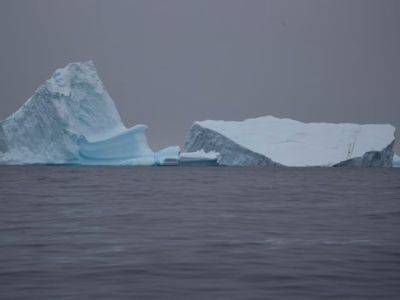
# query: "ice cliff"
(270, 141)
(72, 119)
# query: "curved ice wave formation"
(71, 119)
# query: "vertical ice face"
(71, 114)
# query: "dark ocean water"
(199, 233)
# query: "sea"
(69, 232)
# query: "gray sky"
(168, 63)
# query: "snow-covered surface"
(293, 143)
(72, 119)
(396, 161)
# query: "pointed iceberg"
(71, 119)
(270, 141)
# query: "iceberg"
(71, 119)
(270, 141)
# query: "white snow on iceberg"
(199, 158)
(273, 141)
(72, 119)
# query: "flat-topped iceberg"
(272, 141)
(71, 119)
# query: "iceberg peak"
(63, 79)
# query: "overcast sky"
(168, 63)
